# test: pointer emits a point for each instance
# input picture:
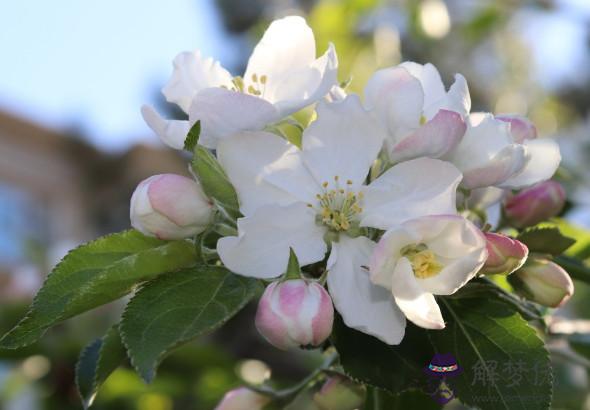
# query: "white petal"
(343, 141)
(433, 139)
(224, 112)
(171, 132)
(363, 306)
(544, 159)
(427, 74)
(265, 169)
(261, 249)
(307, 85)
(411, 189)
(459, 245)
(191, 74)
(487, 155)
(457, 99)
(286, 53)
(388, 251)
(500, 168)
(397, 99)
(417, 305)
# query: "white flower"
(497, 152)
(421, 118)
(282, 77)
(432, 255)
(293, 198)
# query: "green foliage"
(214, 181)
(391, 368)
(96, 363)
(177, 308)
(505, 364)
(192, 138)
(411, 399)
(484, 288)
(94, 274)
(546, 240)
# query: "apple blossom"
(243, 398)
(294, 198)
(505, 255)
(427, 256)
(282, 77)
(535, 204)
(421, 118)
(503, 152)
(170, 206)
(544, 282)
(294, 313)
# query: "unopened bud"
(243, 398)
(535, 204)
(340, 393)
(544, 282)
(295, 313)
(170, 206)
(505, 255)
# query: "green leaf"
(96, 363)
(485, 288)
(370, 361)
(505, 364)
(177, 308)
(214, 181)
(94, 274)
(412, 399)
(546, 240)
(192, 138)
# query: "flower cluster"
(383, 198)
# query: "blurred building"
(56, 191)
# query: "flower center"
(338, 208)
(423, 260)
(257, 87)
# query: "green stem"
(287, 394)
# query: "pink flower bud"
(505, 255)
(535, 204)
(544, 282)
(170, 206)
(521, 128)
(340, 393)
(243, 398)
(295, 313)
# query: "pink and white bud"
(505, 255)
(170, 206)
(544, 282)
(340, 393)
(243, 398)
(295, 313)
(535, 204)
(521, 128)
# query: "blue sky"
(92, 63)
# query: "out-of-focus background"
(73, 75)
